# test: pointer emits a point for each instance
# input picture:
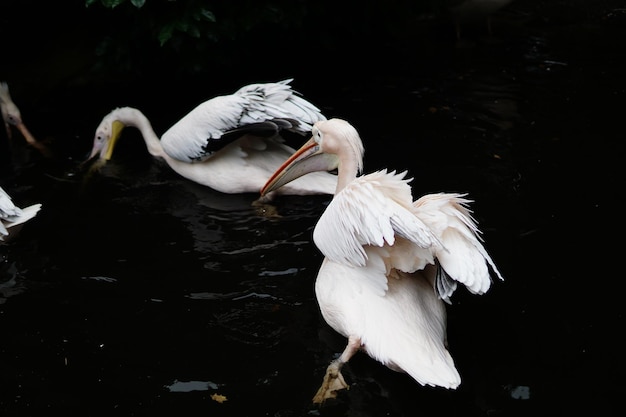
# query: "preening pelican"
(11, 215)
(12, 117)
(230, 143)
(390, 262)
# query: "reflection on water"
(11, 284)
(188, 386)
(519, 392)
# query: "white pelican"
(390, 262)
(12, 117)
(230, 143)
(11, 215)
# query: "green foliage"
(191, 21)
(191, 35)
(189, 17)
(199, 19)
(114, 3)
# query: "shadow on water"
(135, 292)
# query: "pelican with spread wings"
(390, 262)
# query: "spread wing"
(374, 223)
(462, 256)
(11, 215)
(374, 210)
(257, 109)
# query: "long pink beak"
(308, 158)
(26, 133)
(31, 139)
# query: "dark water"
(136, 292)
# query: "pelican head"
(11, 114)
(334, 142)
(107, 135)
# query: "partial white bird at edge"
(12, 215)
(12, 117)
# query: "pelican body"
(230, 143)
(390, 263)
(11, 215)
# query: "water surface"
(136, 292)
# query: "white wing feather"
(11, 215)
(197, 134)
(186, 139)
(377, 211)
(462, 256)
(372, 210)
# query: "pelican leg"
(333, 380)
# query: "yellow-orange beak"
(116, 132)
(104, 148)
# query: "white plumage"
(390, 262)
(230, 143)
(11, 215)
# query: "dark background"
(135, 292)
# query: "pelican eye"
(318, 136)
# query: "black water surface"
(136, 292)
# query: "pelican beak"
(30, 139)
(27, 135)
(309, 158)
(116, 132)
(102, 147)
(105, 148)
